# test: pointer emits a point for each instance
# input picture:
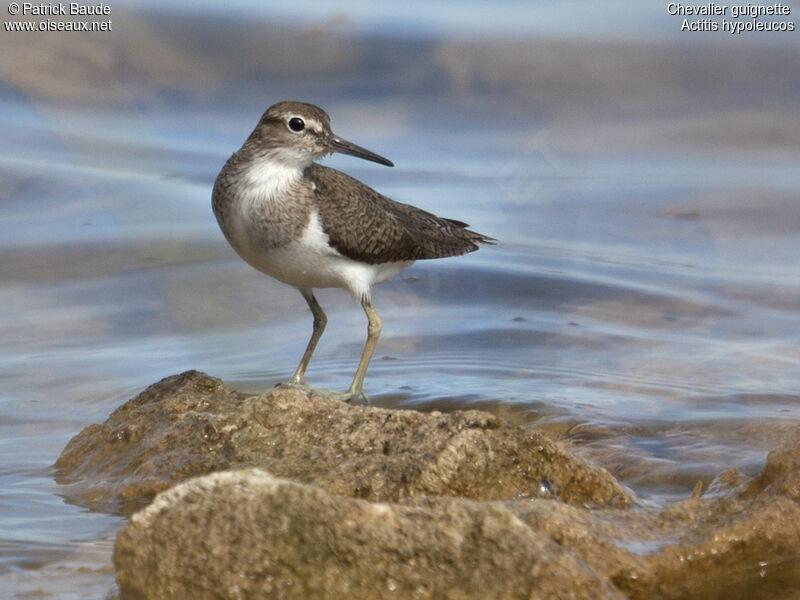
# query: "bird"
(311, 226)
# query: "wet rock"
(191, 424)
(782, 471)
(372, 503)
(728, 550)
(246, 534)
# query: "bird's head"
(297, 133)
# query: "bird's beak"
(337, 144)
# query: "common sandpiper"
(315, 227)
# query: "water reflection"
(642, 301)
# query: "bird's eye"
(297, 124)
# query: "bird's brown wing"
(368, 227)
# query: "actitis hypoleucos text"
(315, 227)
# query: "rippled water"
(643, 299)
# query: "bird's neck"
(263, 176)
(271, 179)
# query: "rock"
(782, 471)
(247, 534)
(372, 503)
(191, 424)
(727, 550)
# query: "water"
(643, 299)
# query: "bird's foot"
(350, 396)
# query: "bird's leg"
(320, 320)
(356, 390)
(373, 333)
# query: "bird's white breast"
(258, 208)
(307, 261)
